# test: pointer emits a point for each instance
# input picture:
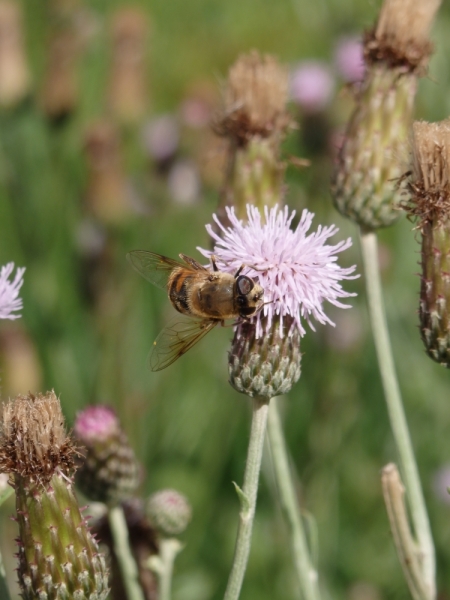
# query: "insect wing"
(176, 339)
(156, 268)
(193, 263)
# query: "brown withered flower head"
(429, 205)
(58, 556)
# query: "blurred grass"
(92, 321)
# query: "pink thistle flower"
(297, 270)
(9, 291)
(311, 85)
(96, 423)
(349, 59)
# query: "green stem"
(168, 550)
(122, 550)
(247, 497)
(4, 590)
(306, 573)
(396, 412)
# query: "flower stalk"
(305, 570)
(247, 497)
(396, 412)
(408, 552)
(162, 565)
(122, 550)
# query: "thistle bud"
(58, 557)
(59, 93)
(110, 472)
(429, 202)
(169, 511)
(14, 72)
(254, 121)
(107, 196)
(266, 366)
(127, 97)
(374, 156)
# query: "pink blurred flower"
(311, 85)
(349, 59)
(161, 137)
(96, 423)
(297, 271)
(9, 292)
(183, 182)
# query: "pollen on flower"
(297, 270)
(9, 291)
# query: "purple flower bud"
(312, 85)
(349, 59)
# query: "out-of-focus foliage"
(82, 185)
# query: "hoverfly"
(208, 297)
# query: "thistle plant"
(298, 272)
(58, 556)
(110, 474)
(374, 153)
(429, 203)
(170, 513)
(368, 188)
(254, 121)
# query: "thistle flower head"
(254, 98)
(110, 472)
(297, 270)
(33, 440)
(9, 291)
(400, 36)
(169, 511)
(58, 557)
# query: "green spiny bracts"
(110, 472)
(429, 202)
(367, 185)
(267, 366)
(254, 121)
(374, 154)
(58, 557)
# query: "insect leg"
(213, 262)
(238, 272)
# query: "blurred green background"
(89, 170)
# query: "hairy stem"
(247, 497)
(396, 412)
(306, 573)
(122, 550)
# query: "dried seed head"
(58, 557)
(429, 202)
(33, 440)
(255, 98)
(429, 185)
(400, 36)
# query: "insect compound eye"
(244, 285)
